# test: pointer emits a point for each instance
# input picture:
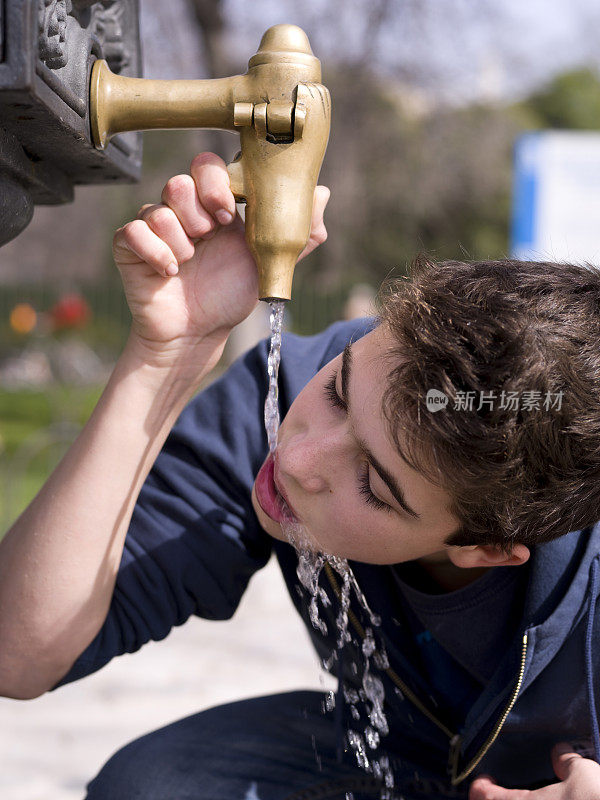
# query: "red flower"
(71, 311)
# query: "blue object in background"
(525, 195)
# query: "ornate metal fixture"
(47, 48)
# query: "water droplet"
(350, 695)
(368, 645)
(357, 744)
(330, 701)
(329, 662)
(372, 737)
(381, 660)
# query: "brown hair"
(515, 475)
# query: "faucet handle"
(242, 114)
(273, 121)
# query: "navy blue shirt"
(460, 634)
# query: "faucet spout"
(282, 113)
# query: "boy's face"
(321, 468)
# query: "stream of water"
(310, 564)
(272, 401)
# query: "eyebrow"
(383, 473)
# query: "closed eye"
(363, 479)
(364, 487)
(332, 395)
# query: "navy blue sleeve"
(194, 540)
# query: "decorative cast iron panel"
(47, 48)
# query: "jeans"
(279, 747)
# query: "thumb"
(318, 232)
(564, 759)
(482, 788)
(320, 200)
(322, 195)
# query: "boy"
(454, 520)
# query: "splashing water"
(372, 693)
(311, 561)
(342, 620)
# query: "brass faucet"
(282, 113)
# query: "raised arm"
(189, 278)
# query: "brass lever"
(282, 113)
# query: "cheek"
(344, 515)
(348, 521)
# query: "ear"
(487, 555)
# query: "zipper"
(455, 739)
(456, 779)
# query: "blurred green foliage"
(36, 429)
(571, 100)
(23, 412)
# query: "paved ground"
(50, 747)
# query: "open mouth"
(269, 498)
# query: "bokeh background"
(429, 98)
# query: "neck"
(447, 575)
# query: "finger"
(181, 195)
(137, 242)
(163, 221)
(212, 183)
(140, 213)
(318, 232)
(484, 788)
(564, 759)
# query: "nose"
(310, 459)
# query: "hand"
(579, 779)
(194, 230)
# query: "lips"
(272, 501)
